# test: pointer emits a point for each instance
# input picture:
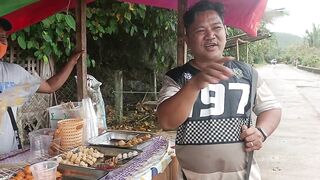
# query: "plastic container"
(40, 141)
(59, 112)
(55, 147)
(45, 170)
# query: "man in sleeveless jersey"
(208, 101)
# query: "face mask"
(3, 49)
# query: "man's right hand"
(75, 56)
(212, 73)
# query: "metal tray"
(78, 172)
(110, 138)
(75, 172)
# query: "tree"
(313, 37)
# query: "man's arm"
(268, 111)
(269, 120)
(56, 81)
(268, 108)
(174, 111)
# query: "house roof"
(245, 38)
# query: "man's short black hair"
(5, 24)
(202, 5)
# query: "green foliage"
(264, 50)
(70, 21)
(313, 37)
(307, 54)
(107, 23)
(303, 55)
(51, 37)
(125, 22)
(22, 42)
(90, 62)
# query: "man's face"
(206, 37)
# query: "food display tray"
(78, 172)
(110, 139)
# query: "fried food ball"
(135, 153)
(20, 174)
(29, 177)
(27, 170)
(121, 143)
(58, 174)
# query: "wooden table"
(170, 173)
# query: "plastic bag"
(90, 120)
(94, 92)
(16, 95)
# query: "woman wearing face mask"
(13, 74)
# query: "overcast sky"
(302, 13)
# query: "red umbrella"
(242, 14)
(35, 12)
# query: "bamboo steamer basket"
(71, 133)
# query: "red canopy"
(35, 12)
(242, 14)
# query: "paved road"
(293, 151)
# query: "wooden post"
(238, 51)
(248, 52)
(155, 84)
(118, 79)
(81, 44)
(181, 45)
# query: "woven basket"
(71, 133)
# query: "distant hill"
(285, 39)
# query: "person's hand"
(212, 73)
(75, 56)
(252, 137)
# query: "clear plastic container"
(59, 112)
(45, 170)
(40, 141)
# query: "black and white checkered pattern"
(211, 131)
